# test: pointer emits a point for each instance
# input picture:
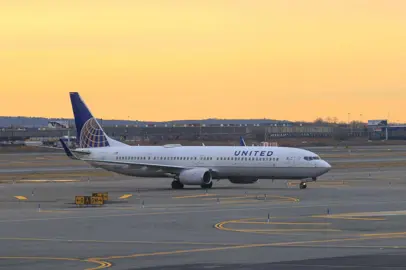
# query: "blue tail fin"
(242, 142)
(89, 133)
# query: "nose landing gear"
(303, 185)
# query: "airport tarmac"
(351, 218)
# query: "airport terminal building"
(381, 130)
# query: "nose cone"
(325, 165)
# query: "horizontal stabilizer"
(68, 152)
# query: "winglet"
(242, 142)
(68, 152)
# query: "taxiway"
(352, 218)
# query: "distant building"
(58, 124)
(380, 130)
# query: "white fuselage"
(225, 161)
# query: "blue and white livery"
(190, 165)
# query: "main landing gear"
(205, 186)
(177, 184)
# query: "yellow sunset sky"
(173, 59)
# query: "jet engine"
(243, 180)
(196, 176)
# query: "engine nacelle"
(243, 180)
(196, 176)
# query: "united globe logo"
(92, 135)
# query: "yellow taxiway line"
(220, 226)
(101, 264)
(21, 198)
(126, 196)
(194, 196)
(275, 244)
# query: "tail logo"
(92, 135)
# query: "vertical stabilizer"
(89, 132)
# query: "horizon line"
(203, 119)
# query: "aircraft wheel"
(303, 185)
(207, 185)
(177, 185)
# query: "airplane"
(189, 165)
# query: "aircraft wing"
(83, 152)
(167, 168)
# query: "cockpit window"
(311, 158)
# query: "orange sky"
(173, 59)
